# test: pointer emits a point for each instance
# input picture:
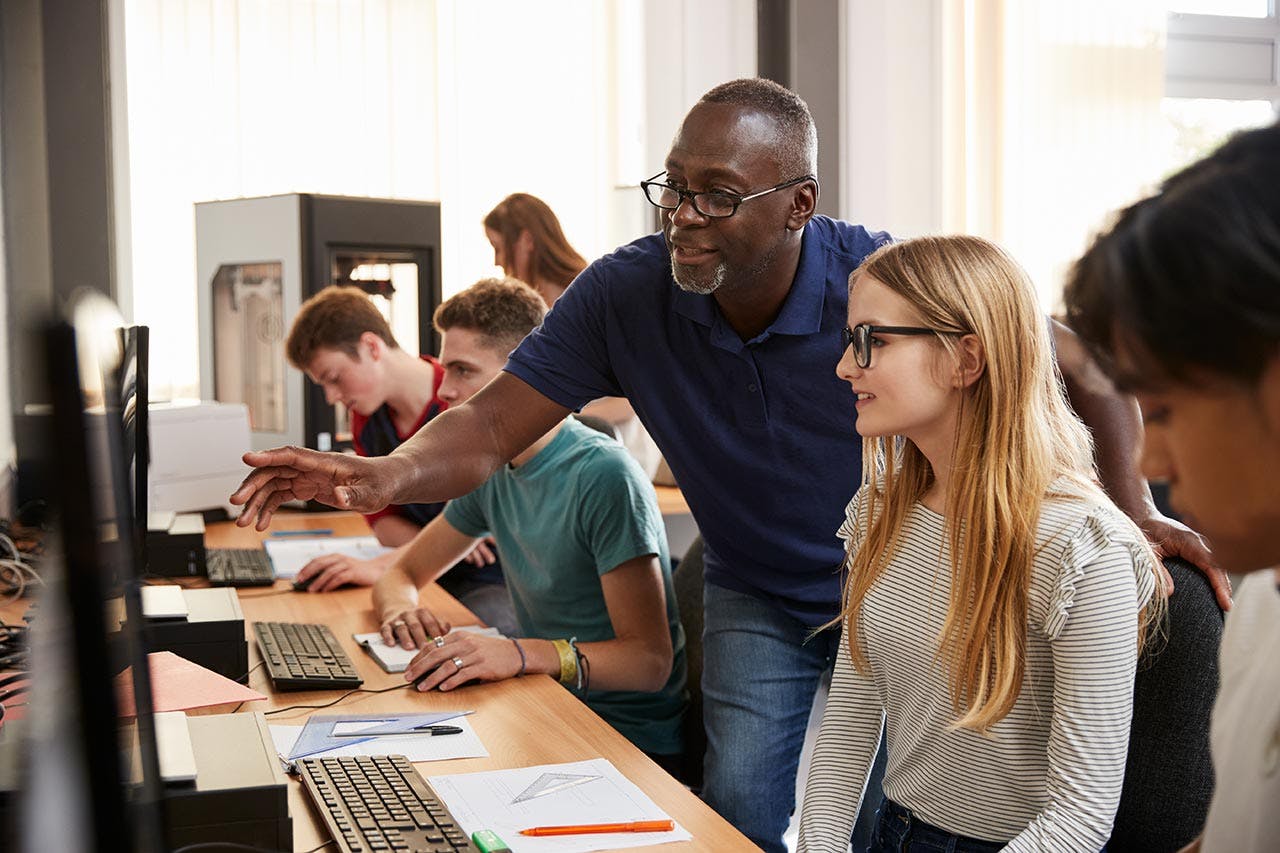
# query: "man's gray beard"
(702, 288)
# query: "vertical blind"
(1056, 123)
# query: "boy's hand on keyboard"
(482, 658)
(331, 571)
(413, 629)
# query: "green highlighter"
(487, 841)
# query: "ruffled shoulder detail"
(1100, 530)
(853, 529)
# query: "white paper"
(290, 553)
(413, 747)
(484, 801)
(397, 658)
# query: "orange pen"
(585, 828)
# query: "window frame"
(1235, 74)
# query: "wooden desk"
(671, 501)
(522, 721)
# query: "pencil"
(585, 828)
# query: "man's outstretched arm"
(1116, 424)
(450, 456)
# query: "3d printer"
(259, 259)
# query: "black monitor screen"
(95, 517)
(134, 417)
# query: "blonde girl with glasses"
(996, 599)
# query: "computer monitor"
(91, 495)
(135, 421)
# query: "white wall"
(893, 116)
(690, 46)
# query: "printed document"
(500, 800)
(289, 554)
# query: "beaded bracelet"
(583, 667)
(523, 662)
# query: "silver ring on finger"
(399, 623)
(439, 641)
(457, 661)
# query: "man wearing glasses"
(723, 331)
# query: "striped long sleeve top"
(1047, 777)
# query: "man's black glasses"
(713, 204)
(860, 337)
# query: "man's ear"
(971, 361)
(804, 204)
(371, 343)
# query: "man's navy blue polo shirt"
(759, 434)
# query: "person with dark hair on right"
(1180, 302)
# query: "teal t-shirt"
(577, 510)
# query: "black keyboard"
(379, 802)
(239, 567)
(302, 656)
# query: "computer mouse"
(302, 586)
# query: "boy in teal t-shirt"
(585, 555)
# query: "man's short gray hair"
(798, 152)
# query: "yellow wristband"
(568, 662)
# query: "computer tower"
(259, 259)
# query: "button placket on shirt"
(749, 396)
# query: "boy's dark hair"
(334, 318)
(1188, 280)
(501, 310)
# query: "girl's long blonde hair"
(1015, 437)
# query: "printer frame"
(310, 240)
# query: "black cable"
(13, 635)
(244, 679)
(16, 691)
(9, 694)
(15, 678)
(232, 845)
(339, 699)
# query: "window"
(1199, 125)
(457, 102)
(1223, 8)
(1220, 73)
